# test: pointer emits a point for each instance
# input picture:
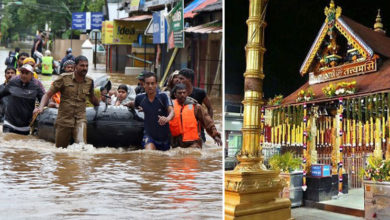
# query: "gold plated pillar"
(252, 191)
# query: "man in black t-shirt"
(39, 42)
(23, 91)
(186, 76)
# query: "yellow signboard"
(126, 32)
(107, 32)
(134, 5)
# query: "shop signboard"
(134, 5)
(126, 32)
(159, 28)
(175, 20)
(107, 32)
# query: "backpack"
(13, 59)
(10, 60)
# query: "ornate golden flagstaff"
(252, 191)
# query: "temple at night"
(340, 116)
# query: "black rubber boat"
(112, 126)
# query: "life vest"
(184, 123)
(47, 65)
(15, 60)
(56, 97)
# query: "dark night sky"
(291, 30)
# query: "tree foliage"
(21, 18)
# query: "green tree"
(23, 18)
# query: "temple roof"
(366, 84)
(366, 40)
(379, 42)
(365, 61)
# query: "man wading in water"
(189, 115)
(23, 91)
(75, 88)
(158, 111)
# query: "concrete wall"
(61, 45)
(119, 57)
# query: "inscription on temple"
(343, 71)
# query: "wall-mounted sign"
(159, 28)
(79, 21)
(87, 20)
(175, 20)
(343, 71)
(107, 32)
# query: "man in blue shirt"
(158, 111)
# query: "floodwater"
(39, 181)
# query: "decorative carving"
(334, 21)
(254, 185)
(332, 10)
(266, 182)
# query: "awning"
(196, 5)
(208, 28)
(217, 6)
(136, 18)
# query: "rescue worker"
(23, 91)
(31, 62)
(20, 59)
(186, 76)
(158, 111)
(68, 66)
(48, 64)
(39, 43)
(15, 61)
(75, 88)
(189, 115)
(172, 81)
(8, 60)
(12, 59)
(141, 82)
(54, 102)
(9, 73)
(67, 57)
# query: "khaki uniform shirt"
(73, 97)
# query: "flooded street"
(39, 181)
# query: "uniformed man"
(75, 88)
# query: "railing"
(352, 166)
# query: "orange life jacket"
(184, 123)
(57, 97)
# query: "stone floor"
(354, 199)
(304, 213)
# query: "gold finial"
(332, 11)
(378, 26)
(331, 5)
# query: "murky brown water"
(39, 181)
